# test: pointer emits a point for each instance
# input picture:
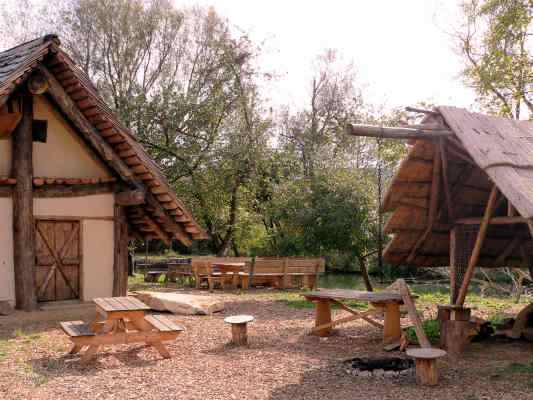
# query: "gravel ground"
(280, 362)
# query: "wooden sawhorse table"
(387, 302)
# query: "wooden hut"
(75, 185)
(463, 195)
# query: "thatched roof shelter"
(463, 194)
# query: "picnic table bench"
(227, 272)
(120, 320)
(383, 302)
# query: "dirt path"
(279, 363)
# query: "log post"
(120, 264)
(323, 316)
(23, 224)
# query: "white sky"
(401, 48)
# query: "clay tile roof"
(172, 217)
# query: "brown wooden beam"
(23, 224)
(446, 183)
(492, 221)
(493, 197)
(396, 133)
(120, 261)
(88, 131)
(130, 197)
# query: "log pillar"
(392, 330)
(120, 264)
(23, 224)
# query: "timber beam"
(106, 152)
(397, 132)
(492, 221)
(23, 222)
(88, 131)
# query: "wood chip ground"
(279, 363)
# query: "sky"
(402, 50)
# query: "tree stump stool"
(239, 334)
(426, 364)
(455, 328)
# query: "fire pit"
(380, 367)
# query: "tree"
(495, 43)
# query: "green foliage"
(431, 328)
(495, 43)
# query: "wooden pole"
(477, 247)
(23, 224)
(120, 264)
(396, 133)
(445, 181)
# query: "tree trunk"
(23, 224)
(364, 273)
(224, 246)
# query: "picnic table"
(383, 302)
(120, 320)
(222, 271)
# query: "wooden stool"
(239, 335)
(455, 328)
(426, 364)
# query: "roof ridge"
(49, 37)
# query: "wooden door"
(58, 260)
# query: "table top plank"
(346, 294)
(111, 304)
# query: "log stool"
(426, 364)
(239, 335)
(455, 328)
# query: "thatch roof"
(480, 151)
(163, 215)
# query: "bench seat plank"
(76, 328)
(163, 324)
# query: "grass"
(296, 300)
(431, 327)
(518, 368)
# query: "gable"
(64, 155)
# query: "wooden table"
(121, 320)
(387, 302)
(235, 270)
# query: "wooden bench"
(266, 271)
(288, 272)
(163, 324)
(153, 276)
(201, 267)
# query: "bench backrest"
(305, 265)
(202, 264)
(266, 266)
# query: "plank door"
(58, 260)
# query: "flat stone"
(181, 303)
(6, 308)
